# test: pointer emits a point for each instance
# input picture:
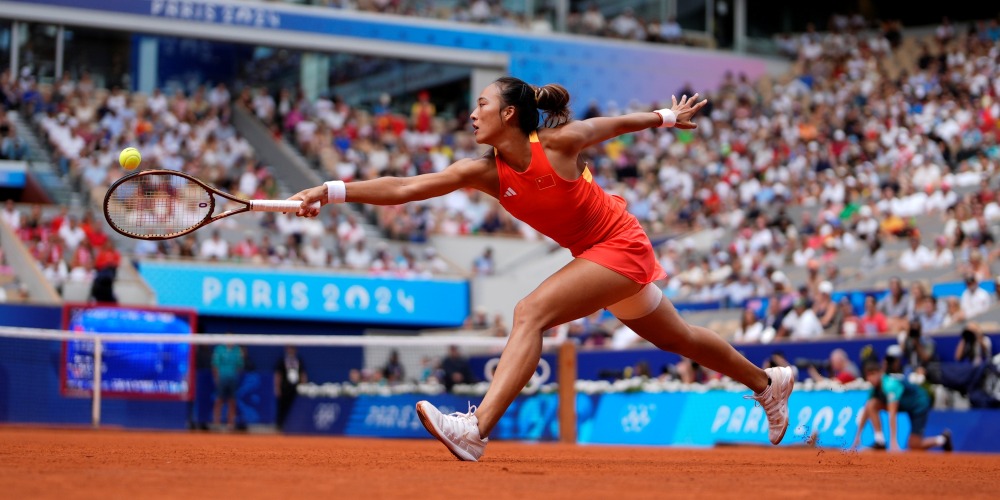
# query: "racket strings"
(158, 205)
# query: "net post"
(567, 392)
(95, 410)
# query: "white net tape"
(270, 340)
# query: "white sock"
(939, 440)
(879, 438)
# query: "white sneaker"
(458, 431)
(774, 399)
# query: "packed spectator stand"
(861, 171)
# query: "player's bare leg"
(576, 290)
(665, 328)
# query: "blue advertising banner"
(643, 419)
(682, 418)
(394, 416)
(725, 417)
(532, 418)
(714, 417)
(635, 419)
(327, 416)
(249, 292)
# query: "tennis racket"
(164, 204)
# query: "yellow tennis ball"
(129, 158)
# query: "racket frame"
(247, 205)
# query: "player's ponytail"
(551, 98)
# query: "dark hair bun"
(553, 99)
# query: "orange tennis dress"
(578, 215)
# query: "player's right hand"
(312, 199)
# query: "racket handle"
(277, 205)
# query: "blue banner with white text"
(531, 418)
(827, 419)
(693, 419)
(714, 417)
(290, 294)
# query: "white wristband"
(668, 117)
(336, 191)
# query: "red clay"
(38, 463)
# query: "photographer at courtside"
(973, 347)
(919, 355)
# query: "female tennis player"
(536, 174)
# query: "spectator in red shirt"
(106, 264)
(246, 250)
(107, 256)
(872, 322)
(96, 237)
(56, 223)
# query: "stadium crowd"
(86, 126)
(872, 140)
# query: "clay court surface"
(81, 463)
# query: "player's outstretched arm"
(395, 190)
(596, 130)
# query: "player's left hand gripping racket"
(164, 204)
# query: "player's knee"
(529, 315)
(639, 305)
